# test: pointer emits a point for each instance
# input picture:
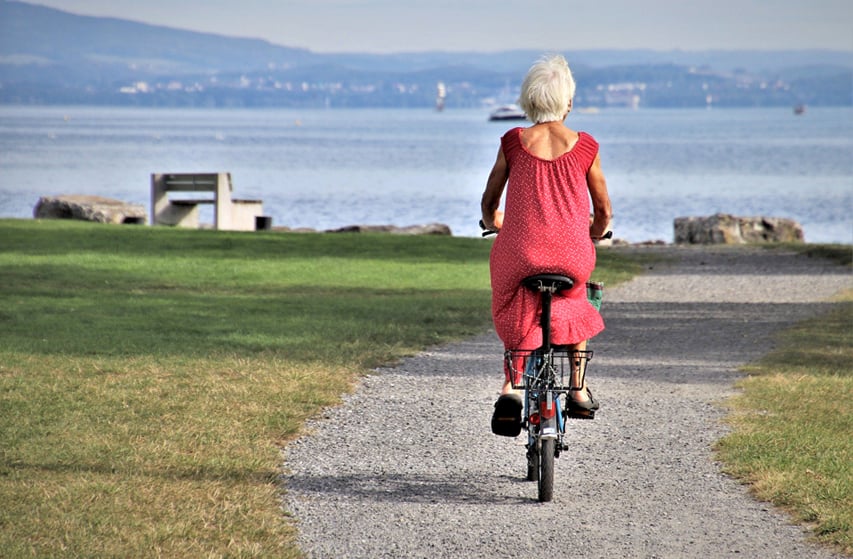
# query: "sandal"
(581, 410)
(506, 421)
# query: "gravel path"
(407, 466)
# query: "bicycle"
(547, 375)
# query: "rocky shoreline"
(708, 230)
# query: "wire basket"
(531, 368)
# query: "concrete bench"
(228, 214)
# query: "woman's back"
(548, 140)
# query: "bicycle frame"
(547, 378)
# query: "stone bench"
(228, 214)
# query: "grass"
(149, 376)
(793, 420)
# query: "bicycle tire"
(546, 470)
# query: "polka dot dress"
(545, 230)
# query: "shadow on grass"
(195, 473)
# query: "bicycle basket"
(531, 367)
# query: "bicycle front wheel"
(546, 470)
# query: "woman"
(550, 173)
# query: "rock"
(729, 229)
(89, 208)
(285, 229)
(649, 243)
(427, 229)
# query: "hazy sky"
(491, 25)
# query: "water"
(330, 168)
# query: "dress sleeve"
(587, 149)
(510, 142)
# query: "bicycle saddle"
(550, 282)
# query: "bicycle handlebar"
(488, 232)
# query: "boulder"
(729, 229)
(427, 229)
(89, 208)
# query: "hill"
(48, 56)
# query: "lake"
(325, 169)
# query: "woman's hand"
(492, 225)
(498, 220)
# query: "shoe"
(506, 421)
(581, 410)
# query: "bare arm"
(494, 190)
(601, 210)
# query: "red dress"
(545, 230)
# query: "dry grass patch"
(116, 458)
(792, 426)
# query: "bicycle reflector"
(547, 407)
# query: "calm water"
(330, 168)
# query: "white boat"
(441, 93)
(507, 112)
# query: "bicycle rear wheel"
(546, 470)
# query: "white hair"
(547, 90)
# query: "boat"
(441, 93)
(799, 109)
(507, 112)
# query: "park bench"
(228, 214)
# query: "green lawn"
(149, 376)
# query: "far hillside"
(49, 56)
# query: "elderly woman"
(550, 173)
